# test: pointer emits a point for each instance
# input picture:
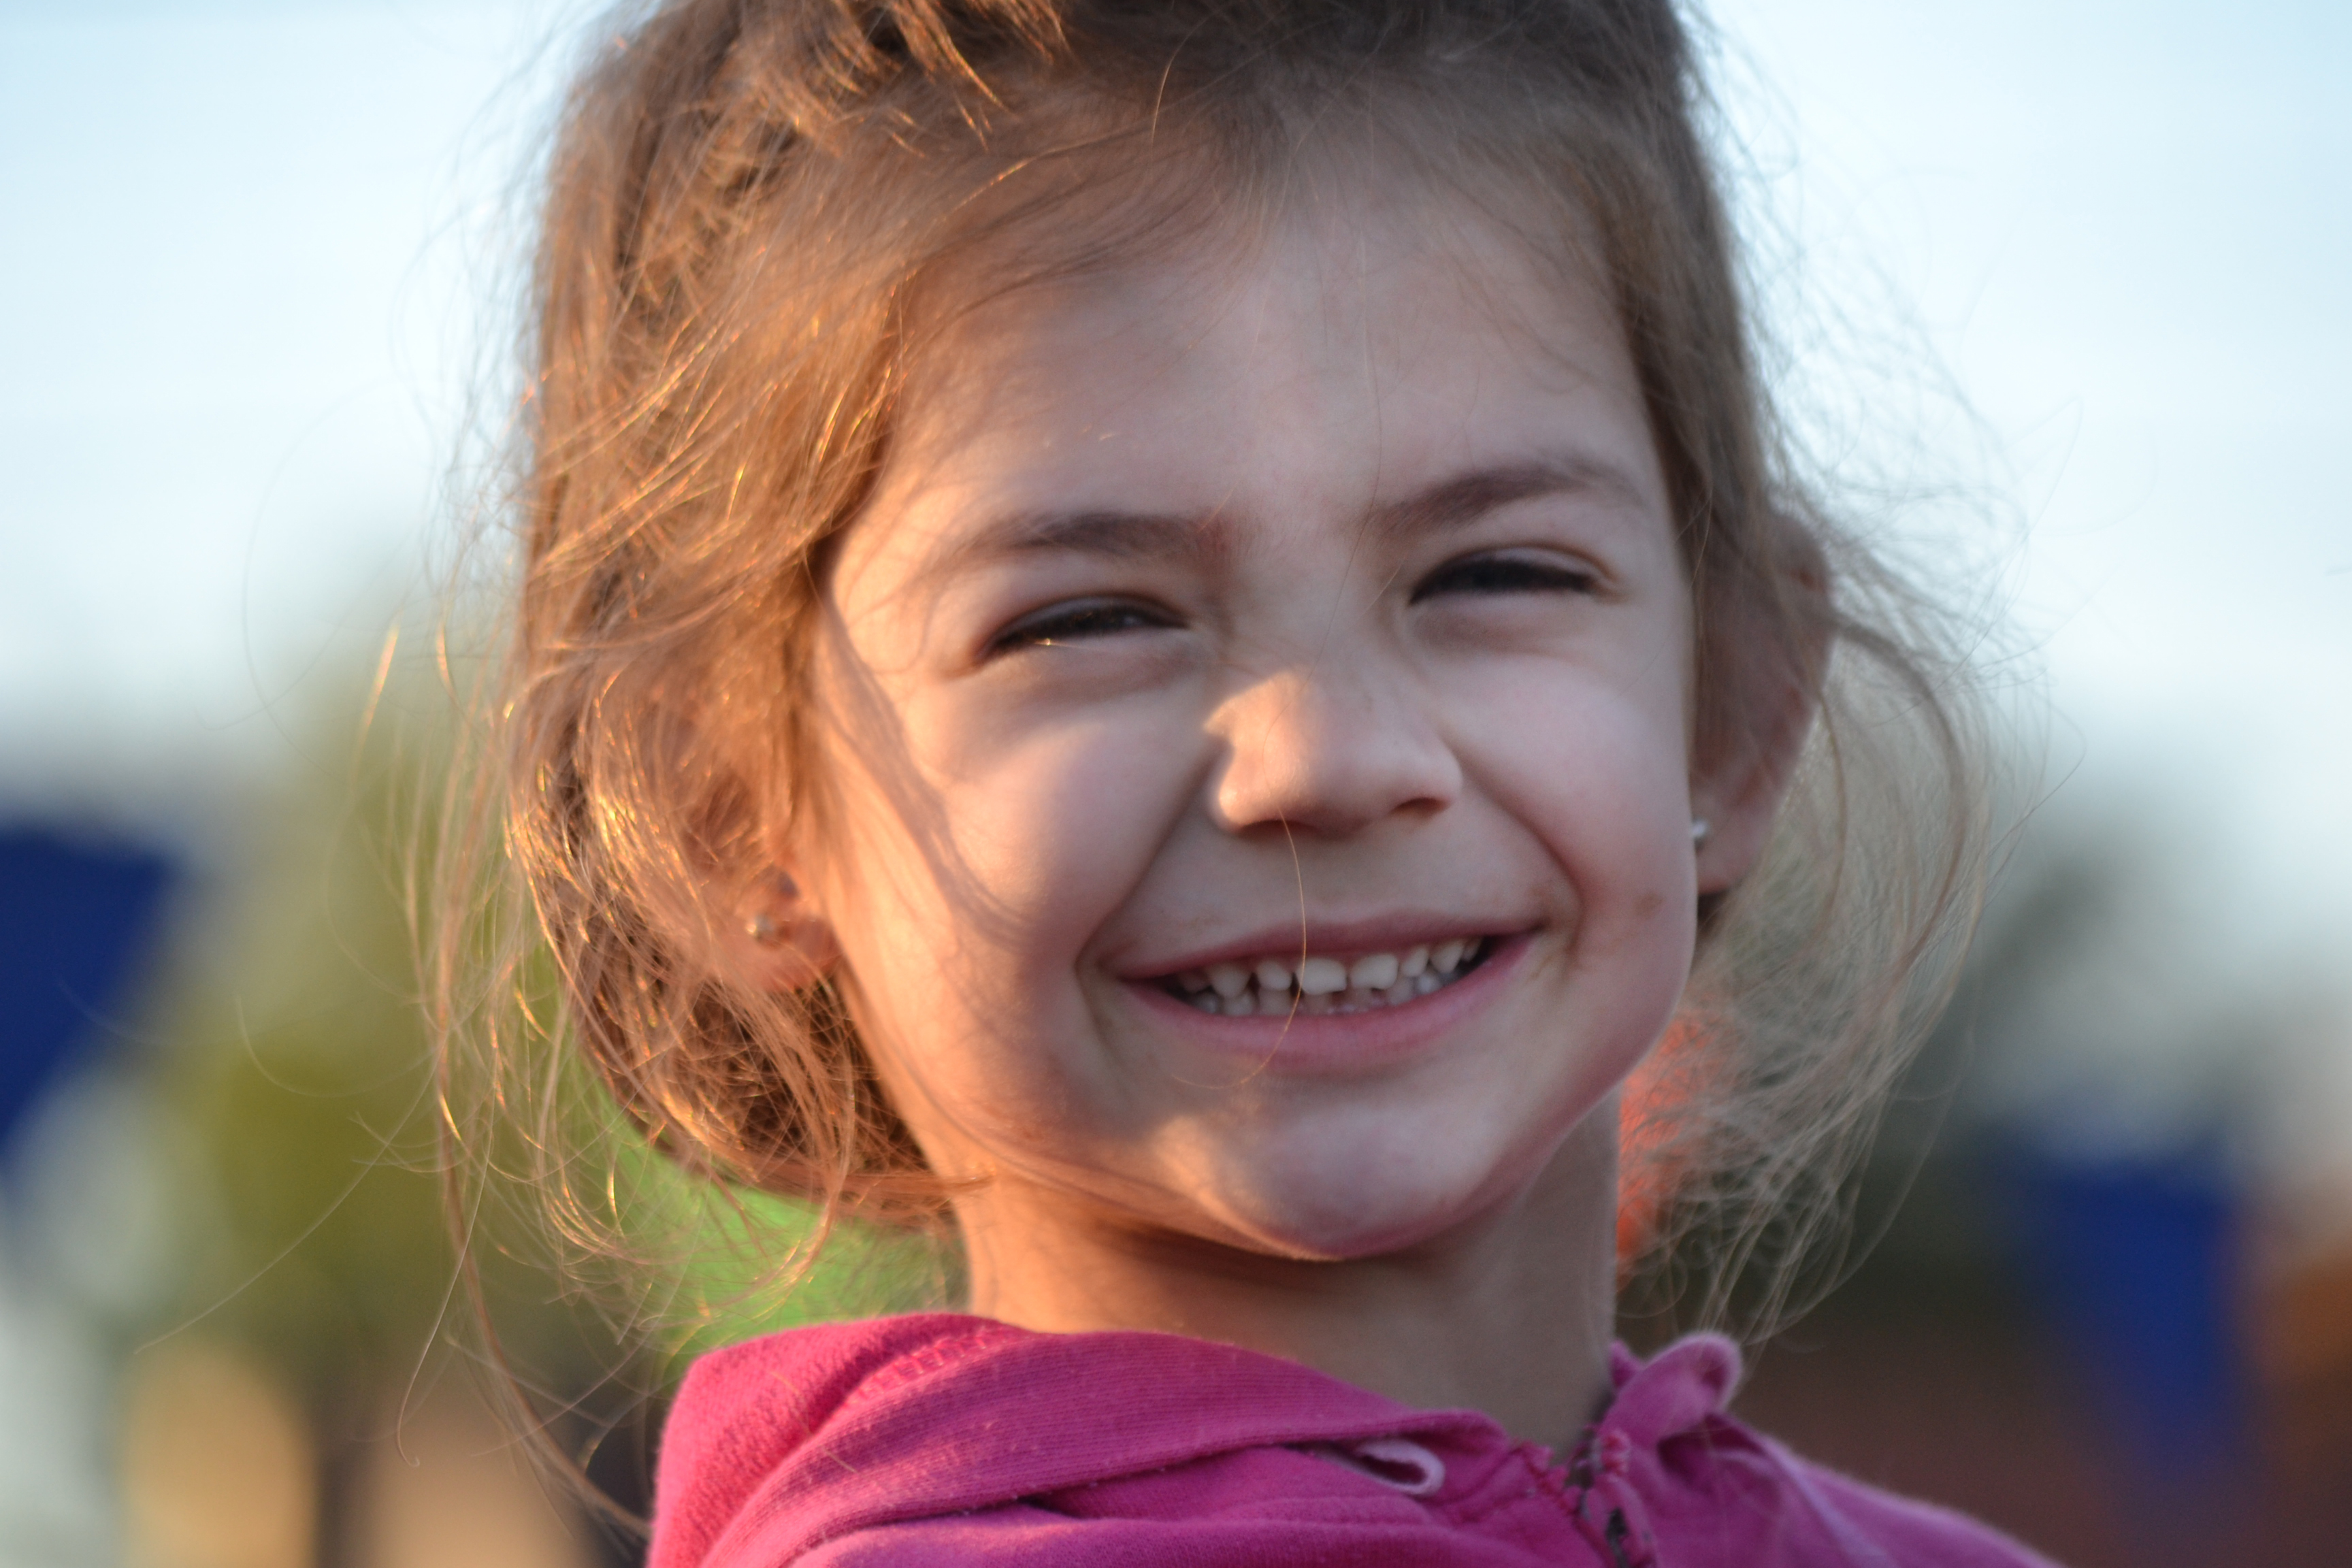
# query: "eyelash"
(1064, 624)
(1507, 574)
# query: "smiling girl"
(1168, 630)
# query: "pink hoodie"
(944, 1440)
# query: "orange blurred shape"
(218, 1470)
(1652, 1152)
(2302, 1349)
(455, 1489)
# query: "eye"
(1086, 620)
(1509, 572)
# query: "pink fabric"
(947, 1439)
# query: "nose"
(1331, 751)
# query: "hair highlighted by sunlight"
(753, 211)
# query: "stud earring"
(1700, 828)
(766, 927)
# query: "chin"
(1351, 1209)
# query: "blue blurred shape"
(76, 919)
(2139, 1262)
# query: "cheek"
(1598, 760)
(1598, 771)
(980, 878)
(1054, 824)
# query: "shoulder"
(1909, 1533)
(1710, 1489)
(819, 1439)
(744, 1414)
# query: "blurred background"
(2058, 292)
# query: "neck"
(1510, 1315)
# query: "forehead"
(1355, 350)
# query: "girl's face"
(1260, 803)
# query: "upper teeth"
(1373, 979)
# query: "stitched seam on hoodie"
(937, 1357)
(1546, 1481)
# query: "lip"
(1334, 1044)
(1329, 939)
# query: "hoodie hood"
(941, 1438)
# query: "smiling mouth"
(1318, 986)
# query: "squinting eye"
(1515, 573)
(1082, 622)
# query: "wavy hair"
(751, 210)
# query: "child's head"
(1183, 604)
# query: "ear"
(775, 937)
(1745, 767)
(1738, 802)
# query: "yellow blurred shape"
(455, 1491)
(219, 1470)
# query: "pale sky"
(2127, 231)
(241, 237)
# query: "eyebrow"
(1451, 502)
(1119, 535)
(1465, 498)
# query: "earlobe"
(1781, 629)
(778, 939)
(1735, 803)
(1732, 817)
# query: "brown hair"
(746, 200)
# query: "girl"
(1165, 629)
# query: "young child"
(1164, 628)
